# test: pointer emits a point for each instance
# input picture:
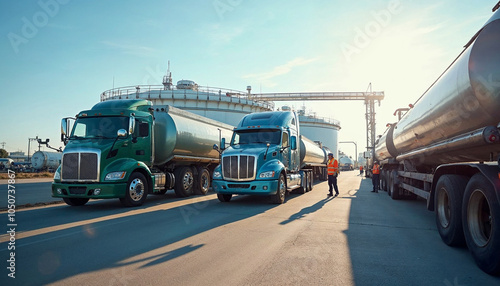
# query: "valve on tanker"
(491, 134)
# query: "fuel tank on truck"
(44, 160)
(384, 147)
(312, 153)
(465, 99)
(181, 135)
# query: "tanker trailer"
(346, 163)
(43, 160)
(267, 156)
(446, 149)
(128, 149)
(313, 155)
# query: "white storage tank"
(42, 160)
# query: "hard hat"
(330, 154)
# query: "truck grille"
(80, 166)
(239, 167)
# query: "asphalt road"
(358, 238)
(28, 192)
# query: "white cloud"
(266, 77)
(129, 49)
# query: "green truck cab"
(128, 149)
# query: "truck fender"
(130, 166)
(273, 165)
(490, 172)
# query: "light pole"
(29, 144)
(355, 150)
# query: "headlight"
(57, 175)
(115, 176)
(268, 174)
(217, 175)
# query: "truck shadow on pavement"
(61, 242)
(395, 242)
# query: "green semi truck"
(128, 149)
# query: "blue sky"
(59, 55)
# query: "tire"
(448, 208)
(184, 182)
(311, 180)
(383, 180)
(279, 197)
(75, 202)
(225, 198)
(393, 186)
(203, 181)
(388, 182)
(305, 185)
(137, 190)
(481, 217)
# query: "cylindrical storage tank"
(322, 130)
(465, 98)
(45, 160)
(310, 152)
(180, 135)
(224, 105)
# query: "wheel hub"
(136, 190)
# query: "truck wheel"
(383, 180)
(75, 201)
(202, 182)
(448, 206)
(481, 214)
(388, 183)
(224, 198)
(184, 182)
(311, 179)
(279, 197)
(394, 186)
(137, 190)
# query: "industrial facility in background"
(445, 148)
(224, 105)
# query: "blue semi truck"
(268, 156)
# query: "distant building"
(18, 156)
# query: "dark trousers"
(376, 182)
(332, 184)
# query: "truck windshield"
(98, 127)
(271, 136)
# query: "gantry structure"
(369, 98)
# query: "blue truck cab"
(263, 158)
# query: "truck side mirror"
(293, 142)
(131, 125)
(65, 129)
(223, 144)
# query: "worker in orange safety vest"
(376, 177)
(333, 172)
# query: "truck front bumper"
(91, 191)
(261, 188)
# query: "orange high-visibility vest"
(333, 166)
(376, 169)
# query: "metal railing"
(159, 91)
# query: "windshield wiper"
(76, 137)
(98, 137)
